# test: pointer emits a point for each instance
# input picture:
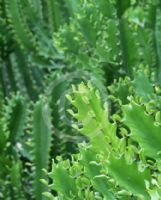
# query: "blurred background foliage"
(48, 45)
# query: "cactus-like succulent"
(105, 141)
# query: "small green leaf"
(143, 129)
(129, 177)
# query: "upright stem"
(123, 39)
(157, 42)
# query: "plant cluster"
(80, 99)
